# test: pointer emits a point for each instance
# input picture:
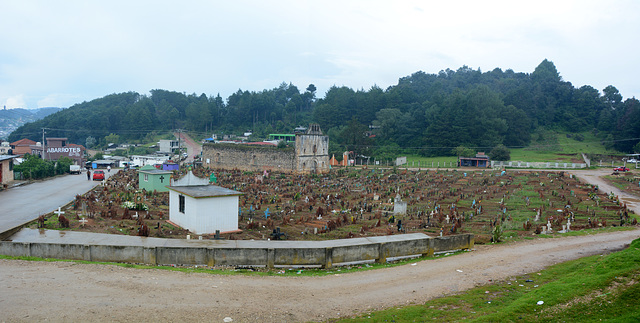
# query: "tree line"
(427, 114)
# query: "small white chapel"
(202, 208)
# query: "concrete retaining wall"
(254, 253)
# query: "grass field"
(548, 147)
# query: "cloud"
(15, 102)
(66, 52)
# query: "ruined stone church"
(310, 155)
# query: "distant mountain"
(11, 119)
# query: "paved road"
(25, 203)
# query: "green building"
(151, 178)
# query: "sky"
(59, 53)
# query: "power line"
(164, 131)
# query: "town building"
(170, 166)
(23, 146)
(168, 146)
(57, 148)
(6, 169)
(5, 148)
(480, 160)
(139, 160)
(104, 163)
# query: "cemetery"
(628, 182)
(493, 205)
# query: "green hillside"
(423, 115)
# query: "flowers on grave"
(128, 205)
(135, 206)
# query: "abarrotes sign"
(69, 151)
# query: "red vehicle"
(98, 175)
(621, 169)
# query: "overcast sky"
(58, 53)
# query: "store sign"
(69, 151)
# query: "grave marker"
(59, 212)
(84, 208)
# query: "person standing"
(88, 175)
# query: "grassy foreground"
(596, 288)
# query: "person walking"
(88, 175)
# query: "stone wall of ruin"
(247, 157)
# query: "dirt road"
(594, 177)
(60, 291)
(193, 148)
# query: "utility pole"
(179, 144)
(44, 150)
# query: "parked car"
(621, 169)
(98, 175)
(75, 169)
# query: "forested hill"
(424, 113)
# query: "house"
(5, 148)
(104, 163)
(152, 179)
(139, 161)
(170, 166)
(168, 146)
(6, 169)
(202, 208)
(22, 146)
(118, 161)
(480, 160)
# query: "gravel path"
(62, 291)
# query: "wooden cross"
(83, 221)
(59, 212)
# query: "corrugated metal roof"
(5, 157)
